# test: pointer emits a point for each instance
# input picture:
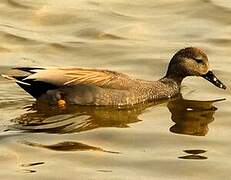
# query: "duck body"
(104, 87)
(93, 87)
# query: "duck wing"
(101, 78)
(37, 81)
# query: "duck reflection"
(68, 146)
(43, 118)
(190, 117)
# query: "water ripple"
(17, 4)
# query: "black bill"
(213, 79)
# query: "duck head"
(192, 61)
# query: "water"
(184, 138)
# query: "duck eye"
(200, 61)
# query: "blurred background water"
(185, 138)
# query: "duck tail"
(32, 86)
(16, 79)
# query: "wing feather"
(78, 76)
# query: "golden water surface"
(187, 137)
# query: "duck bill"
(213, 79)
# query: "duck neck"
(174, 74)
(177, 79)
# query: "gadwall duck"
(104, 87)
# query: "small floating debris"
(194, 154)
